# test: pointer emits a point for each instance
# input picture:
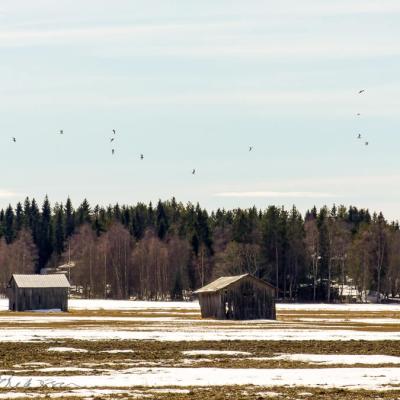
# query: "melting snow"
(67, 349)
(330, 359)
(349, 378)
(116, 351)
(214, 352)
(198, 334)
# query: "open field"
(123, 349)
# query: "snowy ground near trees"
(121, 305)
(180, 323)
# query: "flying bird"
(193, 172)
(114, 131)
(61, 132)
(358, 114)
(367, 143)
(14, 139)
(111, 140)
(112, 151)
(250, 148)
(359, 136)
(361, 91)
(141, 156)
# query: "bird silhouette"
(141, 156)
(111, 140)
(14, 139)
(367, 143)
(61, 132)
(359, 136)
(112, 151)
(250, 148)
(358, 114)
(361, 91)
(114, 131)
(193, 172)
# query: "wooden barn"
(238, 297)
(38, 292)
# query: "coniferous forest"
(166, 250)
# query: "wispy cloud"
(200, 40)
(24, 37)
(4, 194)
(304, 102)
(268, 194)
(340, 7)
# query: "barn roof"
(41, 281)
(223, 282)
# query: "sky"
(191, 85)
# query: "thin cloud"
(26, 37)
(4, 194)
(271, 194)
(152, 40)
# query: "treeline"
(162, 251)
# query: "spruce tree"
(69, 218)
(9, 233)
(19, 217)
(27, 213)
(59, 230)
(45, 234)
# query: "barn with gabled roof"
(38, 292)
(240, 297)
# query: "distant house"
(238, 297)
(38, 292)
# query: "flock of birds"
(112, 139)
(359, 137)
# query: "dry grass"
(229, 392)
(169, 354)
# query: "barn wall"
(249, 299)
(24, 299)
(12, 297)
(246, 299)
(211, 305)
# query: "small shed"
(38, 292)
(238, 297)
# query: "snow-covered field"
(349, 378)
(121, 345)
(121, 305)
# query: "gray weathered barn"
(238, 297)
(38, 292)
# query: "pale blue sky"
(191, 84)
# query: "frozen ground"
(182, 335)
(82, 350)
(83, 304)
(346, 378)
(343, 359)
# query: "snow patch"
(67, 349)
(214, 352)
(338, 307)
(116, 351)
(346, 378)
(331, 359)
(195, 334)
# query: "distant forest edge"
(162, 251)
